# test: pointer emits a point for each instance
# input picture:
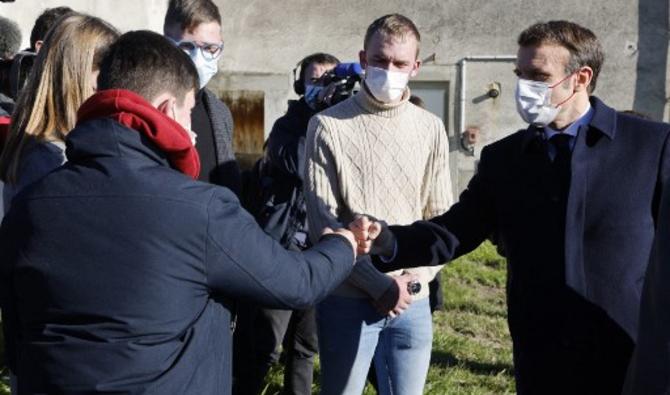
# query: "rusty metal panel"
(248, 111)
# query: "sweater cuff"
(368, 279)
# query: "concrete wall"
(264, 39)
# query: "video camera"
(344, 76)
(14, 72)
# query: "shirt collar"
(573, 128)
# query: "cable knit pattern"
(388, 161)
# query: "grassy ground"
(4, 380)
(472, 350)
(471, 346)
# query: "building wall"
(264, 40)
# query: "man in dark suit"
(572, 201)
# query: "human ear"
(415, 69)
(166, 107)
(362, 58)
(584, 76)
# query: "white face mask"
(533, 101)
(386, 86)
(206, 68)
(191, 134)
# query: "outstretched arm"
(248, 264)
(426, 243)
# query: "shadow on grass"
(446, 360)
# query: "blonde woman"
(63, 77)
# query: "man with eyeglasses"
(195, 27)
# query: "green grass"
(472, 350)
(4, 374)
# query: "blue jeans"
(352, 333)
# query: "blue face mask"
(312, 95)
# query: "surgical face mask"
(191, 134)
(312, 95)
(533, 101)
(386, 86)
(206, 67)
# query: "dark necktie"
(561, 163)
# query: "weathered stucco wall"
(264, 40)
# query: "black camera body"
(344, 76)
(14, 73)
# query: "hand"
(372, 236)
(342, 232)
(397, 298)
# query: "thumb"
(374, 230)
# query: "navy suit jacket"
(113, 267)
(620, 164)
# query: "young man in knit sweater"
(377, 154)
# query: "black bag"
(277, 204)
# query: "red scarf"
(133, 111)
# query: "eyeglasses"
(208, 50)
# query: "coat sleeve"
(245, 263)
(649, 370)
(458, 231)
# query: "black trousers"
(258, 339)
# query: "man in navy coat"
(572, 202)
(115, 267)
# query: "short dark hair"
(316, 58)
(148, 64)
(394, 25)
(45, 21)
(417, 101)
(189, 14)
(584, 47)
(10, 38)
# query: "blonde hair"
(60, 81)
(393, 25)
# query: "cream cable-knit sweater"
(388, 161)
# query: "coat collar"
(603, 120)
(105, 137)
